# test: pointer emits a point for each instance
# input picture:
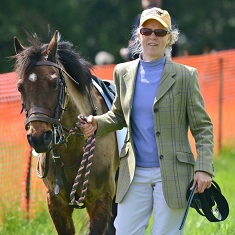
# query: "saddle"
(106, 87)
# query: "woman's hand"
(90, 127)
(203, 181)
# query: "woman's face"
(153, 46)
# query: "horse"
(56, 84)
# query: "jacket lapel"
(129, 77)
(167, 79)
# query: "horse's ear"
(17, 45)
(52, 47)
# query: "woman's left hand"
(203, 181)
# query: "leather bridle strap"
(41, 119)
(187, 207)
(35, 110)
(42, 114)
(48, 63)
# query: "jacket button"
(157, 133)
(161, 157)
(155, 110)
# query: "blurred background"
(105, 25)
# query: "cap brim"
(157, 19)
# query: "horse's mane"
(77, 67)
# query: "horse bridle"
(46, 115)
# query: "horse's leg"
(111, 229)
(100, 215)
(61, 214)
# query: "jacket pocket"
(173, 98)
(185, 158)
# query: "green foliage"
(204, 24)
(91, 25)
(96, 25)
(14, 221)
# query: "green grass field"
(15, 222)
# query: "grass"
(15, 221)
(196, 224)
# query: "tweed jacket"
(178, 107)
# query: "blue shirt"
(142, 121)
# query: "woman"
(158, 100)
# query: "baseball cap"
(158, 14)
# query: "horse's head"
(43, 92)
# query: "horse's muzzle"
(41, 143)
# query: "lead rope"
(87, 157)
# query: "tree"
(95, 25)
(204, 24)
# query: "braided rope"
(87, 157)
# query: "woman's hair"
(136, 47)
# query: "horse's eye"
(20, 87)
(54, 84)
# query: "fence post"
(220, 104)
(27, 183)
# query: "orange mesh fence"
(216, 78)
(19, 184)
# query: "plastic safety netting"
(19, 184)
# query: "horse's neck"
(77, 104)
(88, 100)
(80, 104)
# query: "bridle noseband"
(45, 115)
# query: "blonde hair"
(136, 48)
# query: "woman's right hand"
(89, 127)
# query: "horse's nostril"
(40, 143)
(30, 140)
(47, 137)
